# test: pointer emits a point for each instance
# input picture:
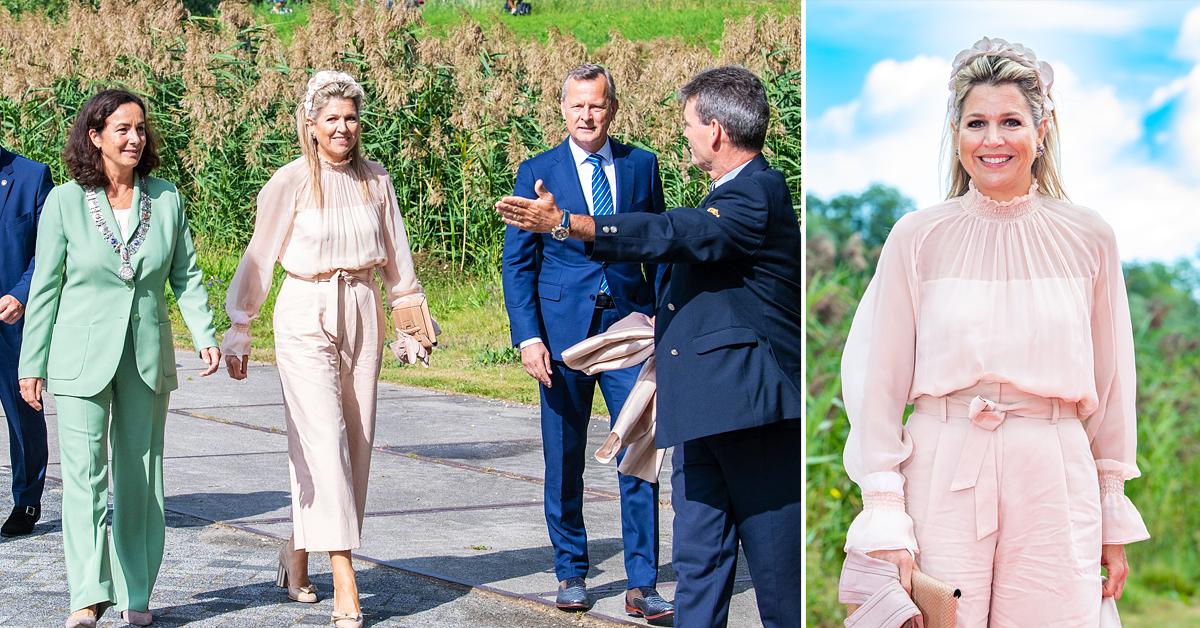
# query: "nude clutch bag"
(414, 320)
(937, 600)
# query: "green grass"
(696, 22)
(474, 355)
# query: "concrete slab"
(454, 536)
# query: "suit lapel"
(566, 174)
(106, 212)
(135, 212)
(624, 172)
(6, 180)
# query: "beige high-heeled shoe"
(306, 594)
(80, 622)
(342, 619)
(137, 618)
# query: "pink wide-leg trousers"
(328, 345)
(1003, 492)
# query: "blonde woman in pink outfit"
(331, 219)
(1001, 314)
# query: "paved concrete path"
(454, 534)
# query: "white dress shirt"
(122, 216)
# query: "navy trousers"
(26, 426)
(566, 409)
(738, 486)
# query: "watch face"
(560, 233)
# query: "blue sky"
(1127, 87)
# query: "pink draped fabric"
(1027, 293)
(350, 233)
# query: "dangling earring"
(1041, 150)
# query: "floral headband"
(323, 79)
(988, 47)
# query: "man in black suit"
(727, 350)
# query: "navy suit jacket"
(550, 286)
(24, 184)
(728, 329)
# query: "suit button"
(671, 306)
(613, 229)
(604, 228)
(137, 317)
(674, 351)
(3, 181)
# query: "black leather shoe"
(21, 521)
(652, 607)
(573, 595)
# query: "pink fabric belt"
(976, 468)
(332, 306)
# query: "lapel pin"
(714, 212)
(3, 181)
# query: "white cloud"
(1168, 92)
(1188, 45)
(891, 135)
(893, 86)
(839, 120)
(1186, 131)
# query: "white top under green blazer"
(80, 309)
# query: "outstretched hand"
(538, 215)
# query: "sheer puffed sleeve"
(399, 277)
(1112, 428)
(877, 372)
(252, 281)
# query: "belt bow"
(978, 454)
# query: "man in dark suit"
(24, 185)
(727, 350)
(556, 297)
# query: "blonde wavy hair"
(998, 69)
(324, 87)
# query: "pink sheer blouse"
(1028, 293)
(349, 233)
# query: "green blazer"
(80, 311)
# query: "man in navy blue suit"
(556, 297)
(24, 185)
(727, 350)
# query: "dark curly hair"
(84, 161)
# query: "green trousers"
(120, 571)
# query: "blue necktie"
(602, 200)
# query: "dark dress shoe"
(573, 595)
(21, 521)
(652, 607)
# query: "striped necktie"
(602, 200)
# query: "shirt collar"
(581, 155)
(730, 175)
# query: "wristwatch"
(563, 230)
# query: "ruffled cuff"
(1121, 523)
(883, 522)
(236, 341)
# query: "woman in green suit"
(97, 335)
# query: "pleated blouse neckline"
(979, 204)
(340, 166)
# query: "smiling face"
(587, 112)
(336, 129)
(997, 140)
(122, 140)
